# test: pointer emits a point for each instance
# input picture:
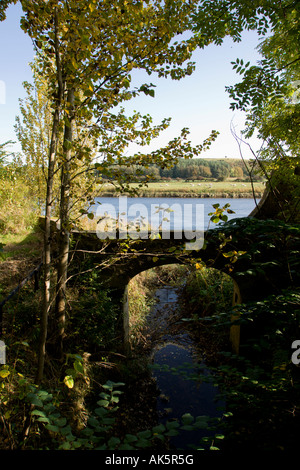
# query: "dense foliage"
(199, 169)
(52, 394)
(260, 385)
(17, 201)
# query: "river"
(179, 213)
(181, 375)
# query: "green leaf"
(92, 421)
(130, 438)
(117, 384)
(52, 428)
(126, 447)
(187, 427)
(144, 434)
(114, 399)
(113, 442)
(108, 421)
(109, 385)
(159, 429)
(44, 395)
(143, 443)
(104, 403)
(34, 400)
(101, 412)
(65, 446)
(67, 431)
(44, 420)
(60, 422)
(38, 413)
(201, 422)
(172, 425)
(78, 367)
(187, 418)
(102, 447)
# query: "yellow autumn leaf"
(4, 373)
(74, 63)
(69, 381)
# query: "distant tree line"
(199, 169)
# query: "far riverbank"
(214, 189)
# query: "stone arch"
(234, 332)
(148, 253)
(251, 283)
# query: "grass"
(20, 254)
(175, 188)
(25, 243)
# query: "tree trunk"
(64, 236)
(47, 249)
(48, 209)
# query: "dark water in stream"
(175, 360)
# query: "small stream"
(175, 360)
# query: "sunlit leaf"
(69, 381)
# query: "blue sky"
(198, 102)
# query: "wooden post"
(36, 280)
(125, 314)
(2, 353)
(1, 318)
(235, 330)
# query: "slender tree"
(48, 204)
(33, 129)
(89, 51)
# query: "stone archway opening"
(209, 289)
(141, 291)
(212, 294)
